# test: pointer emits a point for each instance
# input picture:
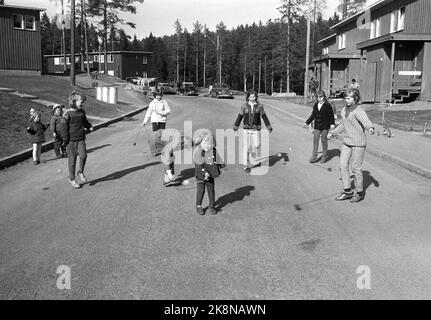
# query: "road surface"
(125, 236)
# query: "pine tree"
(350, 7)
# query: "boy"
(158, 111)
(354, 123)
(77, 123)
(59, 131)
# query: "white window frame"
(33, 27)
(110, 58)
(57, 61)
(378, 28)
(342, 41)
(144, 60)
(375, 30)
(67, 60)
(22, 21)
(144, 74)
(325, 50)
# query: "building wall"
(426, 73)
(19, 49)
(132, 65)
(353, 36)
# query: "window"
(110, 58)
(18, 21)
(397, 19)
(57, 61)
(325, 50)
(401, 17)
(67, 60)
(375, 30)
(144, 60)
(341, 41)
(30, 23)
(144, 74)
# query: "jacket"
(252, 118)
(77, 122)
(37, 132)
(158, 110)
(209, 162)
(58, 126)
(323, 118)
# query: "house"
(397, 52)
(121, 64)
(20, 40)
(339, 62)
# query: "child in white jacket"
(157, 110)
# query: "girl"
(59, 130)
(37, 131)
(252, 111)
(157, 110)
(353, 125)
(206, 169)
(323, 117)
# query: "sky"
(158, 16)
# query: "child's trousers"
(200, 192)
(354, 155)
(58, 147)
(74, 149)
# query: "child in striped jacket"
(353, 125)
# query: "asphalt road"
(125, 236)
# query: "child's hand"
(54, 135)
(332, 127)
(91, 129)
(330, 135)
(207, 176)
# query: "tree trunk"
(105, 37)
(265, 76)
(289, 22)
(72, 43)
(260, 75)
(86, 43)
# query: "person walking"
(353, 125)
(323, 117)
(36, 129)
(59, 131)
(77, 124)
(158, 111)
(252, 112)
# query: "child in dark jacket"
(59, 131)
(77, 124)
(323, 117)
(207, 168)
(37, 132)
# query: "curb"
(26, 154)
(379, 154)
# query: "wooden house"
(20, 40)
(339, 62)
(396, 64)
(122, 64)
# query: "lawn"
(14, 116)
(411, 120)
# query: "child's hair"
(355, 94)
(205, 135)
(75, 96)
(249, 93)
(321, 93)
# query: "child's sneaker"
(75, 184)
(213, 210)
(36, 162)
(82, 177)
(199, 210)
(357, 197)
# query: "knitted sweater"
(252, 117)
(353, 126)
(77, 122)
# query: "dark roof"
(26, 8)
(327, 38)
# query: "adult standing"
(323, 117)
(252, 112)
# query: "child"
(157, 110)
(354, 122)
(206, 169)
(323, 117)
(37, 131)
(59, 130)
(77, 122)
(251, 111)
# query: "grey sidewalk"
(409, 150)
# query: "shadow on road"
(187, 173)
(98, 147)
(122, 173)
(237, 195)
(333, 153)
(369, 179)
(277, 157)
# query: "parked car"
(187, 89)
(166, 88)
(221, 90)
